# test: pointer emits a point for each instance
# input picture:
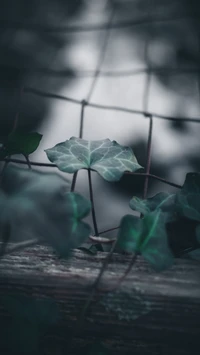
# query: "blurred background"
(137, 54)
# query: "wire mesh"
(106, 28)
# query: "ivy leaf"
(163, 201)
(109, 159)
(21, 143)
(36, 205)
(148, 237)
(188, 198)
(77, 207)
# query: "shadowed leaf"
(36, 205)
(188, 198)
(21, 143)
(163, 201)
(148, 237)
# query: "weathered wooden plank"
(150, 313)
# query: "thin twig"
(47, 165)
(20, 161)
(28, 161)
(109, 230)
(156, 178)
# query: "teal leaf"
(148, 237)
(36, 205)
(188, 198)
(163, 201)
(21, 143)
(109, 159)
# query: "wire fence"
(106, 28)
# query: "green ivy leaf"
(109, 159)
(163, 201)
(188, 198)
(36, 205)
(148, 237)
(21, 143)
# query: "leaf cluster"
(42, 205)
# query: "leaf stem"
(28, 161)
(92, 202)
(74, 181)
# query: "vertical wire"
(148, 159)
(145, 108)
(102, 54)
(83, 104)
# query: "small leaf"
(163, 201)
(109, 159)
(21, 143)
(188, 198)
(148, 237)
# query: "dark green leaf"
(36, 205)
(22, 143)
(146, 236)
(109, 159)
(162, 200)
(188, 198)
